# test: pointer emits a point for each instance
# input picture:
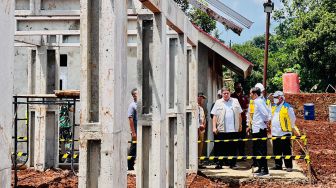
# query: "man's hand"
(134, 136)
(248, 129)
(214, 130)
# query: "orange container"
(291, 83)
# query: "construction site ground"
(322, 149)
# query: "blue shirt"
(132, 112)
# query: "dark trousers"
(283, 147)
(242, 135)
(226, 148)
(260, 149)
(132, 152)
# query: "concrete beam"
(6, 84)
(32, 40)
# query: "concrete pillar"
(151, 157)
(193, 126)
(181, 72)
(103, 143)
(41, 111)
(6, 84)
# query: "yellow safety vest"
(284, 119)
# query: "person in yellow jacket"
(283, 124)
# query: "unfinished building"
(166, 57)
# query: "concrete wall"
(6, 85)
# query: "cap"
(260, 86)
(278, 94)
(201, 94)
(219, 92)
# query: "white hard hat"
(260, 86)
(278, 94)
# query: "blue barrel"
(309, 111)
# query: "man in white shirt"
(283, 123)
(226, 124)
(258, 125)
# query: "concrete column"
(41, 111)
(181, 68)
(193, 129)
(151, 157)
(6, 84)
(103, 145)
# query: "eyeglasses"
(226, 93)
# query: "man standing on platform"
(283, 123)
(226, 124)
(258, 124)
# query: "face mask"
(276, 101)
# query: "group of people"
(235, 116)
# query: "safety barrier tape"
(303, 137)
(295, 157)
(65, 140)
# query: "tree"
(306, 38)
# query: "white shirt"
(201, 116)
(276, 127)
(260, 116)
(229, 107)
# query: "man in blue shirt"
(133, 119)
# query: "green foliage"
(304, 42)
(183, 4)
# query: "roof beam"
(228, 11)
(176, 19)
(228, 23)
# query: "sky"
(252, 10)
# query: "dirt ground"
(322, 148)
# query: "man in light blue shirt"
(258, 124)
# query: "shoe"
(289, 169)
(258, 171)
(235, 167)
(263, 174)
(201, 167)
(218, 166)
(276, 168)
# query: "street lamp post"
(268, 8)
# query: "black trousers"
(132, 152)
(226, 148)
(283, 147)
(260, 149)
(242, 135)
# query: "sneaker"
(258, 171)
(289, 169)
(276, 168)
(218, 166)
(263, 174)
(235, 167)
(201, 167)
